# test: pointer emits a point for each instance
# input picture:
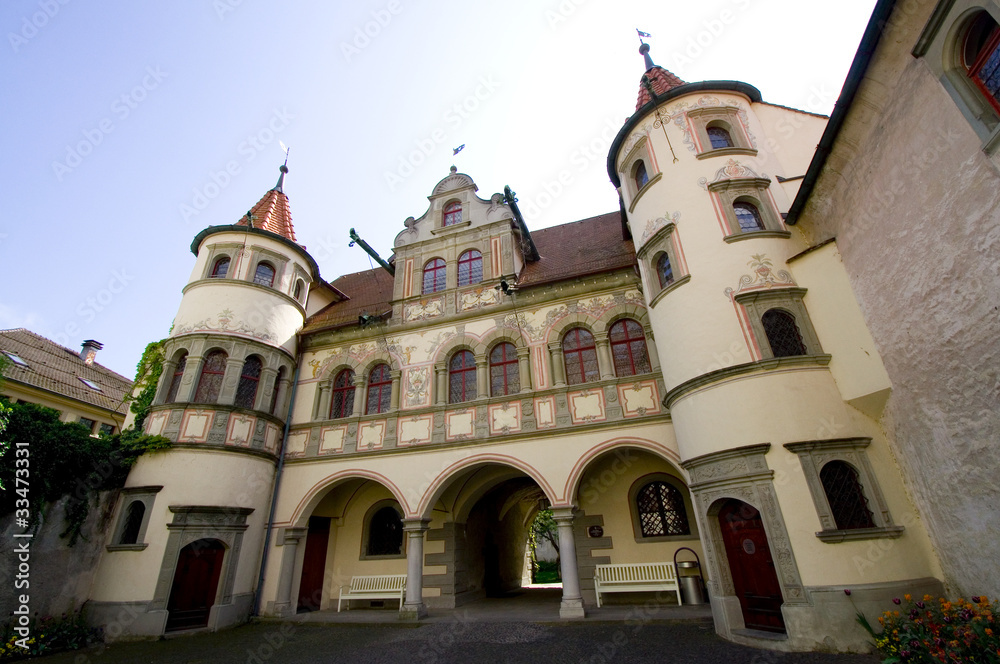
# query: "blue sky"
(131, 126)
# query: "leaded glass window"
(379, 390)
(221, 268)
(982, 57)
(580, 355)
(385, 533)
(661, 510)
(748, 217)
(846, 496)
(452, 214)
(719, 137)
(470, 268)
(342, 399)
(782, 333)
(212, 373)
(641, 177)
(434, 275)
(504, 370)
(264, 275)
(628, 348)
(246, 391)
(462, 377)
(664, 271)
(175, 380)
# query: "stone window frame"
(230, 250)
(748, 190)
(366, 524)
(147, 496)
(813, 455)
(445, 212)
(940, 45)
(260, 255)
(725, 117)
(627, 168)
(665, 241)
(674, 481)
(757, 303)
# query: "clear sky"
(131, 126)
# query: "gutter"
(869, 41)
(274, 495)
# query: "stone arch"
(311, 498)
(616, 313)
(498, 335)
(671, 457)
(455, 343)
(561, 327)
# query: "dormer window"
(264, 275)
(452, 214)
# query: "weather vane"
(286, 150)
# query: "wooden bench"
(635, 577)
(379, 586)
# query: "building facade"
(700, 369)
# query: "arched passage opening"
(196, 584)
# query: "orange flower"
(907, 597)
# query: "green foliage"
(48, 635)
(543, 528)
(4, 417)
(147, 376)
(547, 572)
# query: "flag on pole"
(642, 34)
(455, 151)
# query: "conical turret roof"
(272, 212)
(657, 78)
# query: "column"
(604, 361)
(166, 377)
(572, 600)
(654, 356)
(359, 395)
(394, 392)
(556, 365)
(482, 378)
(290, 543)
(524, 368)
(231, 379)
(440, 384)
(413, 607)
(189, 383)
(280, 403)
(323, 409)
(264, 388)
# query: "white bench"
(635, 577)
(379, 586)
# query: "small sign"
(595, 531)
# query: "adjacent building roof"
(60, 370)
(367, 292)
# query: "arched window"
(846, 496)
(461, 377)
(379, 390)
(640, 175)
(434, 275)
(452, 214)
(470, 268)
(664, 271)
(246, 391)
(133, 522)
(385, 533)
(220, 268)
(580, 355)
(782, 333)
(264, 274)
(981, 57)
(342, 400)
(719, 137)
(628, 348)
(274, 390)
(748, 217)
(661, 510)
(504, 371)
(175, 380)
(299, 287)
(212, 373)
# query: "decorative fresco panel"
(640, 398)
(461, 424)
(195, 425)
(545, 412)
(414, 430)
(240, 430)
(505, 418)
(371, 435)
(331, 439)
(156, 422)
(416, 392)
(586, 406)
(297, 441)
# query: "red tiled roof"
(368, 292)
(272, 213)
(58, 369)
(582, 247)
(661, 80)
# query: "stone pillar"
(557, 366)
(524, 368)
(654, 356)
(572, 600)
(323, 409)
(264, 388)
(290, 544)
(604, 361)
(230, 380)
(394, 392)
(280, 402)
(413, 607)
(440, 384)
(166, 377)
(189, 383)
(359, 395)
(482, 378)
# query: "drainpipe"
(274, 494)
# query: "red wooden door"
(314, 564)
(752, 567)
(196, 580)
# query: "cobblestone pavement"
(687, 642)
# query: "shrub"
(49, 635)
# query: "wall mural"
(763, 276)
(225, 321)
(653, 225)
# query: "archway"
(196, 584)
(751, 565)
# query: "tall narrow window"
(274, 391)
(470, 268)
(719, 137)
(452, 214)
(664, 271)
(505, 378)
(385, 533)
(212, 373)
(379, 390)
(580, 355)
(299, 287)
(462, 377)
(982, 57)
(782, 333)
(246, 391)
(846, 496)
(133, 522)
(434, 275)
(641, 177)
(661, 510)
(342, 400)
(175, 380)
(264, 275)
(748, 217)
(221, 268)
(628, 348)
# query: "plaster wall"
(238, 246)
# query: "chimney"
(89, 352)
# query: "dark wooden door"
(752, 567)
(314, 564)
(196, 581)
